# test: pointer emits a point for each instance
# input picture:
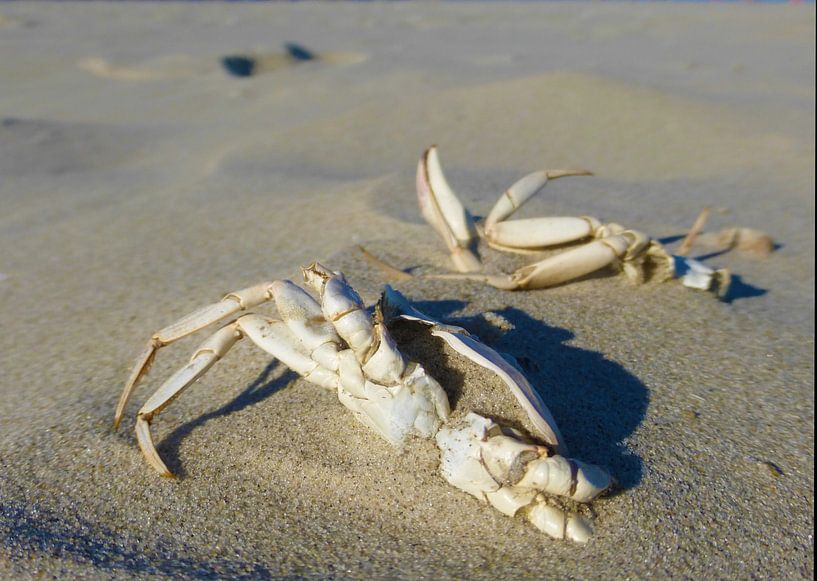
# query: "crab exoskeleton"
(638, 255)
(334, 342)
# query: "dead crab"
(337, 344)
(635, 253)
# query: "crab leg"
(573, 263)
(442, 209)
(557, 269)
(275, 338)
(231, 304)
(524, 189)
(533, 233)
(203, 359)
(271, 335)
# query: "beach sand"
(140, 180)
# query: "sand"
(140, 180)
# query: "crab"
(336, 343)
(635, 253)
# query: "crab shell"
(394, 305)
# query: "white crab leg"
(572, 263)
(452, 210)
(231, 304)
(213, 349)
(442, 209)
(557, 269)
(386, 364)
(271, 335)
(396, 305)
(540, 232)
(343, 307)
(277, 339)
(304, 317)
(524, 189)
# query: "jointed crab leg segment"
(572, 263)
(537, 233)
(203, 359)
(271, 335)
(442, 209)
(452, 210)
(275, 338)
(231, 304)
(524, 189)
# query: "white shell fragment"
(417, 406)
(461, 463)
(697, 275)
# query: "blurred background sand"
(139, 180)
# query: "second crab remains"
(639, 256)
(335, 343)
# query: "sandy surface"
(139, 180)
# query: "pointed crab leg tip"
(145, 440)
(552, 174)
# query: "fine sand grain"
(156, 156)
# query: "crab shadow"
(260, 388)
(596, 402)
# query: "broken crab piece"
(479, 458)
(638, 256)
(697, 275)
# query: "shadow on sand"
(261, 388)
(33, 529)
(596, 402)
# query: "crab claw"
(489, 462)
(442, 209)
